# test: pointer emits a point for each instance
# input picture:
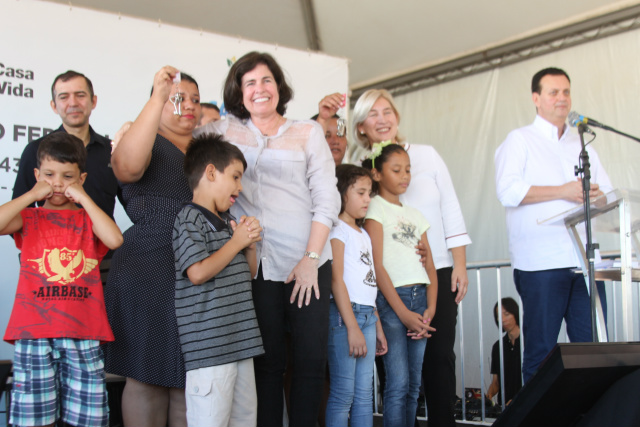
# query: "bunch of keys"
(342, 127)
(342, 123)
(176, 99)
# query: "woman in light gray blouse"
(290, 186)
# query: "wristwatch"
(312, 255)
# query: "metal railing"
(478, 267)
(482, 309)
(482, 306)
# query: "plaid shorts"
(58, 377)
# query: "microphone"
(575, 119)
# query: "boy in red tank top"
(59, 319)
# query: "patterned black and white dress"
(140, 290)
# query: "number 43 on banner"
(7, 162)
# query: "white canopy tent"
(460, 72)
(381, 38)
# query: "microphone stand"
(610, 129)
(585, 170)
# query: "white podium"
(615, 212)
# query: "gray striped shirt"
(216, 320)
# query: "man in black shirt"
(73, 100)
(510, 351)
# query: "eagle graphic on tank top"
(64, 265)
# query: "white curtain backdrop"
(467, 119)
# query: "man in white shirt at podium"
(535, 180)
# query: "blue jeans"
(548, 296)
(403, 361)
(351, 378)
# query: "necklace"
(273, 128)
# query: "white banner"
(120, 55)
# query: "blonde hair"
(361, 111)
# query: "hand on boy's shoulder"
(75, 193)
(42, 190)
(247, 230)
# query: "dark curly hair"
(233, 85)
